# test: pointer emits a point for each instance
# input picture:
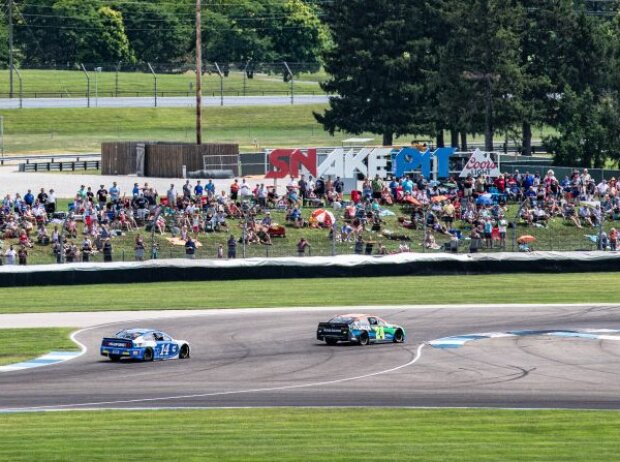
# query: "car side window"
(372, 321)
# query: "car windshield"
(341, 320)
(128, 335)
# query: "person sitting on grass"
(585, 216)
(569, 213)
(24, 241)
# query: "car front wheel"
(115, 358)
(184, 352)
(331, 341)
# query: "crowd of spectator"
(450, 208)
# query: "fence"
(116, 80)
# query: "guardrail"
(52, 157)
(60, 166)
(150, 94)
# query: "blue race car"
(143, 345)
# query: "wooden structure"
(166, 160)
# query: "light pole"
(198, 75)
(97, 71)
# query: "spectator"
(107, 251)
(302, 245)
(10, 256)
(190, 249)
(232, 247)
(22, 255)
(139, 248)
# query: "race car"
(359, 328)
(143, 345)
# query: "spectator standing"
(220, 251)
(359, 246)
(187, 190)
(232, 247)
(42, 197)
(190, 248)
(10, 255)
(198, 190)
(171, 196)
(50, 205)
(115, 193)
(22, 255)
(29, 198)
(234, 190)
(107, 251)
(302, 245)
(87, 249)
(102, 196)
(139, 248)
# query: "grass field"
(428, 290)
(83, 130)
(22, 344)
(277, 435)
(68, 83)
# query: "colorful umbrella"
(412, 200)
(526, 239)
(324, 216)
(436, 199)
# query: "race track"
(270, 358)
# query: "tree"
(157, 32)
(546, 26)
(375, 65)
(486, 33)
(589, 130)
(73, 31)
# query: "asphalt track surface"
(168, 101)
(271, 358)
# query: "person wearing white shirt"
(51, 202)
(10, 256)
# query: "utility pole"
(198, 75)
(10, 48)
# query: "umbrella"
(436, 199)
(450, 185)
(526, 239)
(485, 199)
(324, 216)
(412, 200)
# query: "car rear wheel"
(331, 341)
(184, 352)
(115, 358)
(399, 337)
(364, 339)
(148, 354)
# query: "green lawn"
(22, 344)
(428, 290)
(331, 435)
(51, 83)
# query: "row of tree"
(61, 32)
(478, 67)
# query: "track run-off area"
(270, 357)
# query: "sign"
(480, 163)
(368, 162)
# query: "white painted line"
(415, 359)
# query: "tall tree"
(546, 25)
(375, 65)
(486, 33)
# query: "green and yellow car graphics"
(362, 329)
